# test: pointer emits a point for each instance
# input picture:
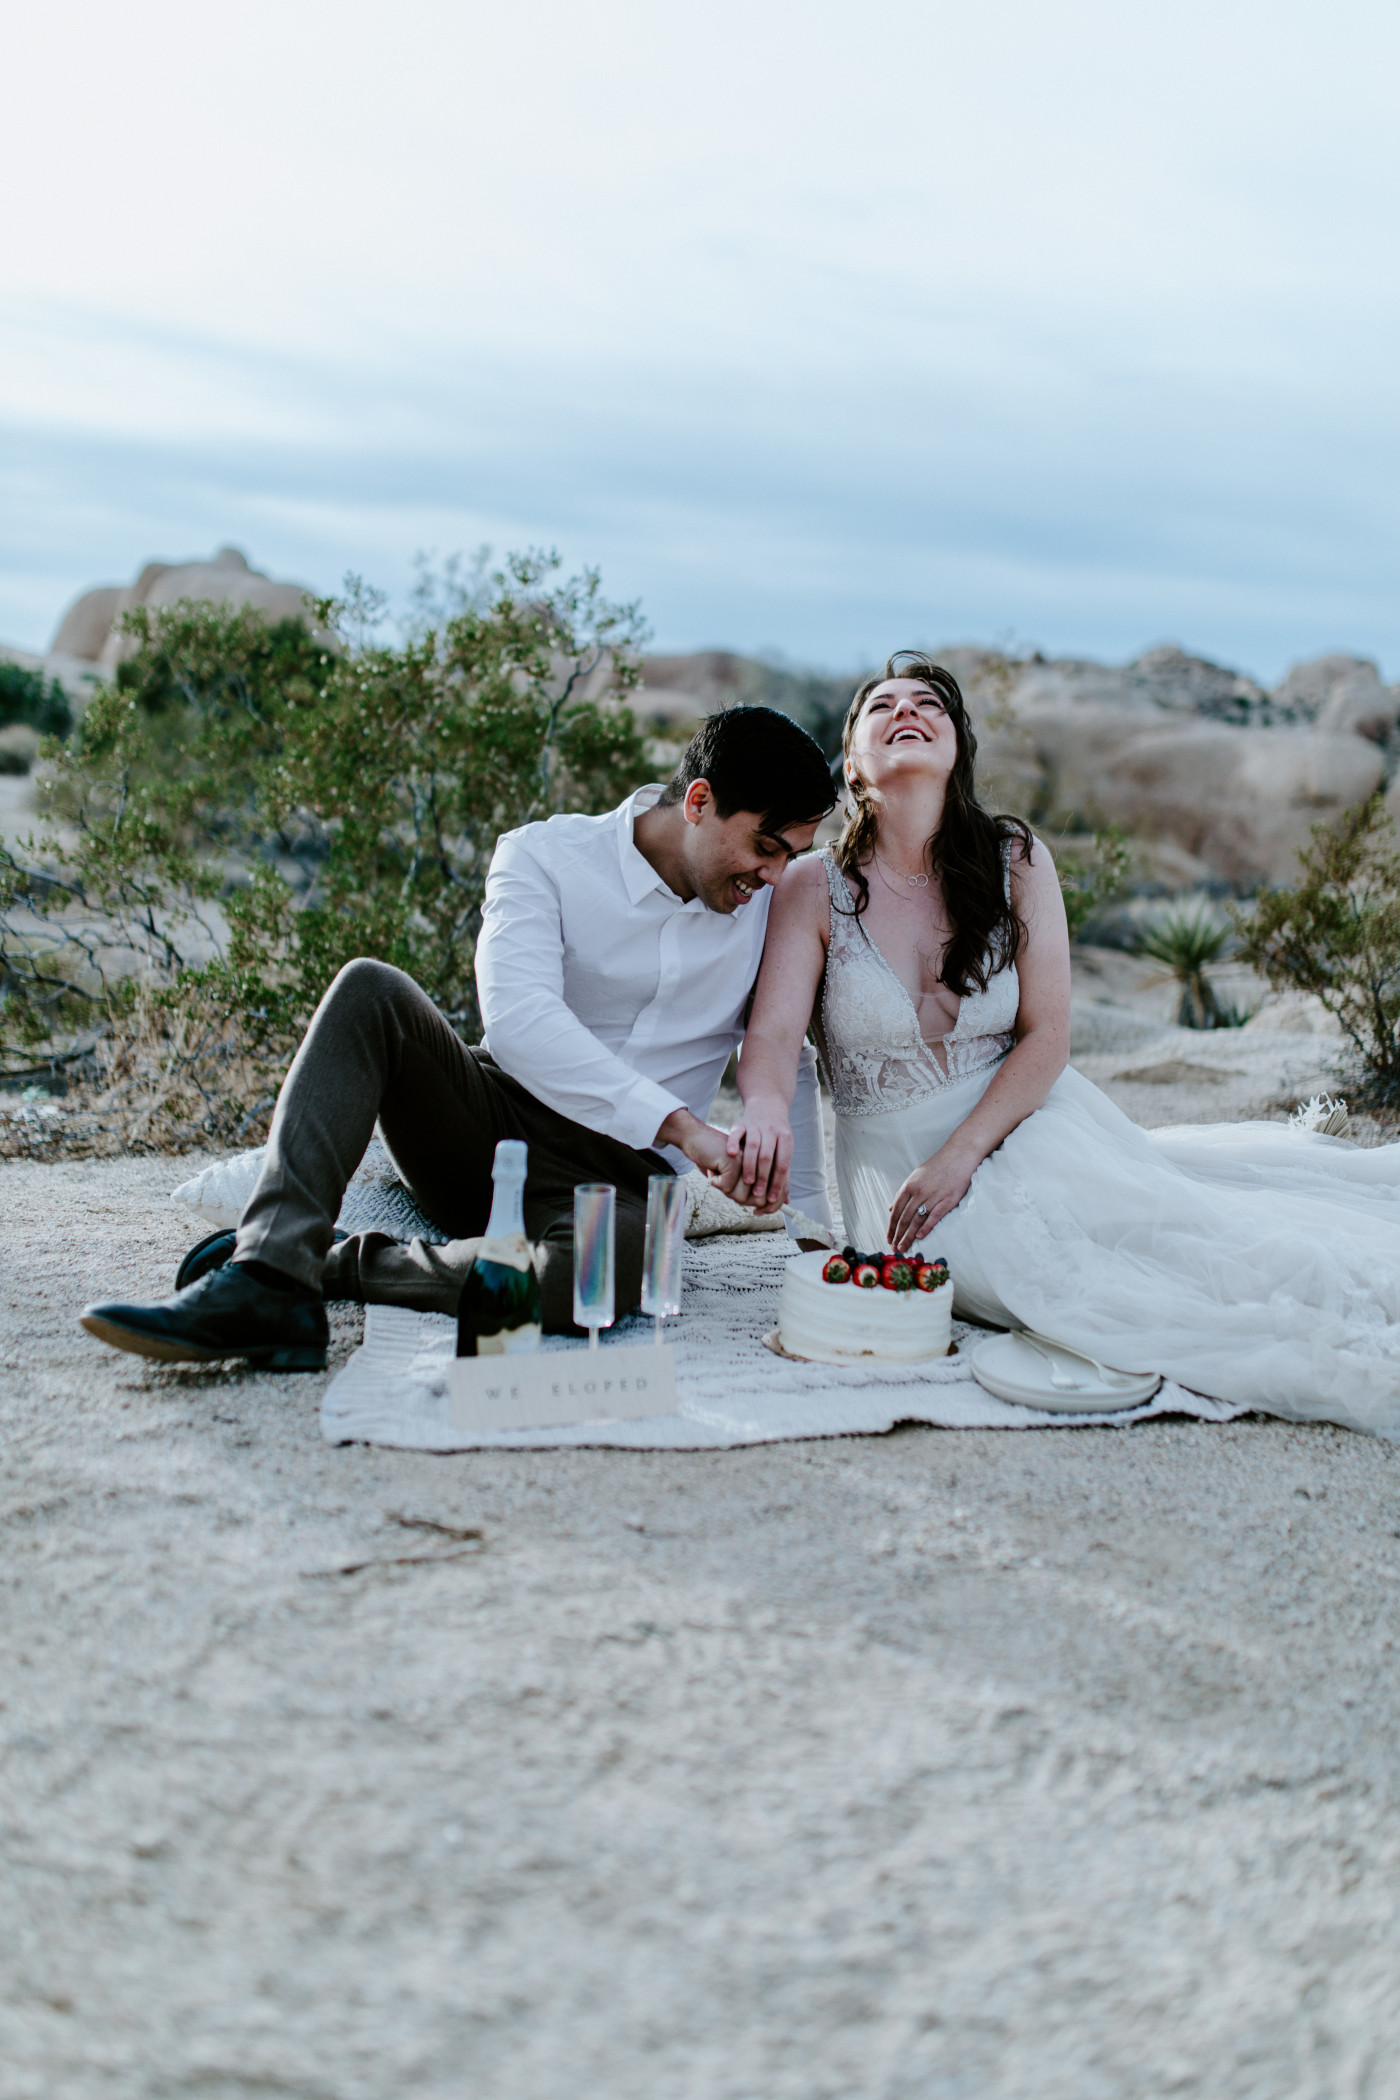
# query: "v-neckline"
(880, 956)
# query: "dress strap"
(840, 890)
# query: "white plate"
(1015, 1368)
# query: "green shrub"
(1337, 935)
(39, 702)
(1087, 884)
(250, 806)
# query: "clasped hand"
(751, 1162)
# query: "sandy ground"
(927, 1767)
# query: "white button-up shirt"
(613, 1001)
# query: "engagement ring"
(922, 1211)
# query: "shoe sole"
(263, 1358)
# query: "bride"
(1251, 1261)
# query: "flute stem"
(593, 1337)
(658, 1330)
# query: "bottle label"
(498, 1313)
(513, 1253)
(509, 1341)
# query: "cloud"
(820, 328)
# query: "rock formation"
(1242, 800)
(90, 629)
(1171, 747)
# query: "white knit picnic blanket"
(733, 1390)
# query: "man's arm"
(531, 1032)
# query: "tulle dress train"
(1251, 1261)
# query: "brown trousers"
(379, 1050)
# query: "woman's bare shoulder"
(803, 896)
(1030, 862)
(807, 877)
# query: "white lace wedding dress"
(1250, 1261)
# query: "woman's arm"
(1040, 1055)
(794, 957)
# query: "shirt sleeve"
(809, 1191)
(530, 1031)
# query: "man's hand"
(700, 1142)
(719, 1155)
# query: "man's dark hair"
(755, 758)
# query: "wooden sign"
(550, 1390)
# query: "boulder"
(1240, 800)
(90, 628)
(1293, 1013)
(1010, 772)
(1172, 678)
(87, 623)
(696, 685)
(1343, 695)
(1166, 678)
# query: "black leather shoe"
(212, 1252)
(209, 1253)
(227, 1312)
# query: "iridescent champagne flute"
(664, 1254)
(595, 1208)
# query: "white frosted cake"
(838, 1323)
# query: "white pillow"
(377, 1201)
(712, 1212)
(220, 1193)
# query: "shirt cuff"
(641, 1112)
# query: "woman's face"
(902, 733)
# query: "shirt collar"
(638, 875)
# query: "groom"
(615, 963)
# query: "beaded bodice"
(868, 1031)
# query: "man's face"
(730, 859)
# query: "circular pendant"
(917, 882)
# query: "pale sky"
(823, 328)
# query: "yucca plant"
(1187, 938)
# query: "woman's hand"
(749, 1163)
(929, 1194)
(759, 1157)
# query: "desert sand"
(1052, 1766)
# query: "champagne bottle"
(498, 1312)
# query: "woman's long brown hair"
(967, 850)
